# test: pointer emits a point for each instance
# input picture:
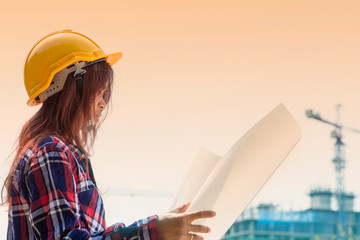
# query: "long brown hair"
(67, 115)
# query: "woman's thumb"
(182, 208)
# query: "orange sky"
(200, 72)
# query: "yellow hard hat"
(54, 53)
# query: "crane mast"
(339, 162)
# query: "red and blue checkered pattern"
(53, 197)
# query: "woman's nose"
(102, 104)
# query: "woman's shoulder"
(50, 150)
(45, 150)
(53, 143)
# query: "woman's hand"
(176, 224)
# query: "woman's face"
(100, 105)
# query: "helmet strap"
(80, 72)
(79, 79)
(79, 85)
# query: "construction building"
(319, 222)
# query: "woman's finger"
(199, 228)
(182, 208)
(195, 237)
(200, 214)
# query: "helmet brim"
(113, 58)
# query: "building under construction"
(319, 222)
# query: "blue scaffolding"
(267, 223)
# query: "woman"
(51, 189)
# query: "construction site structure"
(319, 222)
(342, 227)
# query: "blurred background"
(202, 73)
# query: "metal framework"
(339, 162)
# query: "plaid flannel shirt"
(53, 197)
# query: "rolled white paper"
(239, 175)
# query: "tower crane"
(339, 162)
